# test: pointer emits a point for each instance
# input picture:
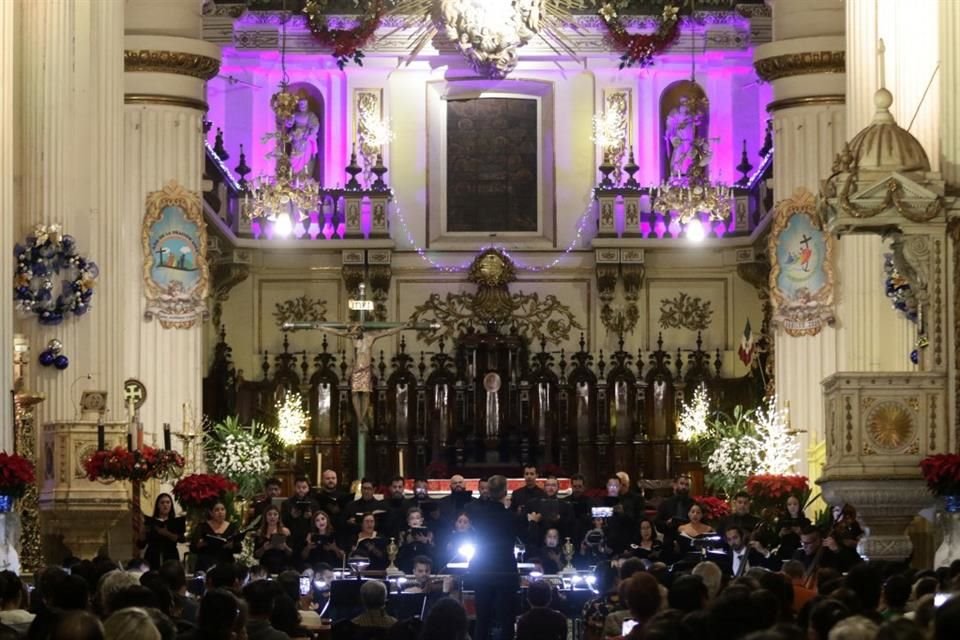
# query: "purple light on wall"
(645, 228)
(674, 227)
(314, 228)
(256, 228)
(659, 227)
(299, 230)
(720, 228)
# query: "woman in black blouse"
(162, 532)
(649, 546)
(322, 543)
(270, 546)
(216, 540)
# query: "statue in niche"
(685, 153)
(303, 127)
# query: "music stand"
(407, 605)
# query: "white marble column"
(911, 36)
(805, 65)
(69, 101)
(7, 84)
(163, 142)
(949, 90)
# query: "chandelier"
(286, 197)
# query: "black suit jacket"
(754, 559)
(493, 542)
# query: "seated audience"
(373, 597)
(541, 622)
(12, 599)
(260, 596)
(132, 622)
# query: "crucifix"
(363, 334)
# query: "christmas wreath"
(346, 43)
(639, 48)
(142, 464)
(47, 256)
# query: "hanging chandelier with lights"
(286, 197)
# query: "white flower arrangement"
(236, 452)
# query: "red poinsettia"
(16, 472)
(942, 473)
(201, 490)
(122, 464)
(713, 508)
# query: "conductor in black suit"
(493, 569)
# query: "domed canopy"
(885, 146)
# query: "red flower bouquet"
(770, 491)
(942, 473)
(143, 464)
(713, 508)
(16, 472)
(200, 491)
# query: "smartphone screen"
(304, 585)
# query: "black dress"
(274, 560)
(159, 549)
(215, 551)
(320, 553)
(411, 546)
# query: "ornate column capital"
(801, 63)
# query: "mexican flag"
(746, 345)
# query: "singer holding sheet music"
(370, 545)
(321, 545)
(270, 546)
(216, 540)
(162, 532)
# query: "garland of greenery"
(45, 255)
(346, 43)
(639, 48)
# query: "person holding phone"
(215, 540)
(321, 544)
(270, 545)
(162, 532)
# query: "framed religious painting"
(801, 270)
(176, 276)
(490, 163)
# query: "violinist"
(844, 537)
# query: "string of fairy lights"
(585, 218)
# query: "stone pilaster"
(7, 84)
(949, 89)
(805, 64)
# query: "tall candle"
(166, 436)
(319, 467)
(139, 435)
(101, 436)
(401, 463)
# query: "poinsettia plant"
(145, 463)
(713, 507)
(16, 472)
(771, 490)
(200, 491)
(942, 473)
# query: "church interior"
(460, 238)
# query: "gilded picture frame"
(176, 275)
(801, 269)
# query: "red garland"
(942, 473)
(121, 464)
(640, 48)
(346, 43)
(16, 472)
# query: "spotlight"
(536, 574)
(591, 580)
(694, 230)
(283, 225)
(401, 580)
(320, 584)
(467, 550)
(576, 579)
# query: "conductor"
(493, 569)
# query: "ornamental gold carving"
(890, 426)
(534, 317)
(799, 64)
(685, 312)
(302, 309)
(176, 62)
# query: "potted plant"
(16, 473)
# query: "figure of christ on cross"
(363, 334)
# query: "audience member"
(260, 596)
(541, 622)
(373, 597)
(12, 598)
(78, 625)
(132, 622)
(854, 628)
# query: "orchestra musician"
(423, 579)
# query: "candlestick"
(139, 435)
(129, 441)
(401, 462)
(101, 436)
(319, 467)
(166, 436)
